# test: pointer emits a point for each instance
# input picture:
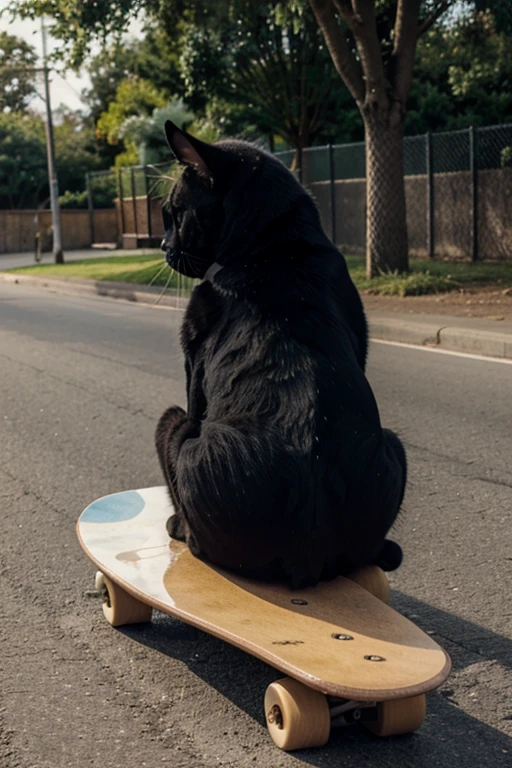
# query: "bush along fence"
(458, 188)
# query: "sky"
(62, 91)
(65, 88)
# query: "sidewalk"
(462, 334)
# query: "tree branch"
(343, 58)
(433, 17)
(404, 48)
(360, 17)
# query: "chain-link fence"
(102, 192)
(136, 194)
(142, 190)
(458, 189)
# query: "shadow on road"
(449, 738)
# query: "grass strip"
(425, 277)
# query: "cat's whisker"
(166, 286)
(157, 274)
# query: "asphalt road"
(82, 384)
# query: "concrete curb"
(450, 333)
(100, 288)
(470, 335)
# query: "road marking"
(485, 358)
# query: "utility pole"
(50, 152)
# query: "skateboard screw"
(374, 658)
(276, 716)
(341, 637)
(356, 714)
(299, 601)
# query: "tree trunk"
(386, 227)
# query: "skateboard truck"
(347, 712)
(341, 711)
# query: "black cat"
(280, 467)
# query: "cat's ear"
(188, 151)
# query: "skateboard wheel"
(373, 579)
(398, 716)
(119, 607)
(297, 717)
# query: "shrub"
(73, 199)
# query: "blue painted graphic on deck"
(114, 509)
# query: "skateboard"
(348, 656)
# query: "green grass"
(141, 269)
(425, 276)
(431, 277)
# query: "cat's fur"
(280, 467)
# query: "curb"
(458, 334)
(101, 288)
(428, 333)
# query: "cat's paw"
(390, 556)
(177, 527)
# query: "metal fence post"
(430, 195)
(121, 201)
(333, 193)
(90, 205)
(134, 203)
(148, 204)
(473, 166)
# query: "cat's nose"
(163, 245)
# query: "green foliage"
(104, 189)
(73, 199)
(147, 132)
(427, 277)
(77, 22)
(17, 85)
(23, 169)
(276, 57)
(151, 58)
(134, 96)
(414, 284)
(76, 150)
(506, 157)
(23, 162)
(463, 76)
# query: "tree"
(274, 55)
(134, 96)
(76, 150)
(150, 59)
(462, 76)
(372, 45)
(23, 163)
(17, 80)
(153, 58)
(148, 133)
(216, 56)
(23, 168)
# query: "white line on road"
(485, 358)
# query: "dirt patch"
(489, 303)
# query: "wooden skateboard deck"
(336, 638)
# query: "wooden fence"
(80, 229)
